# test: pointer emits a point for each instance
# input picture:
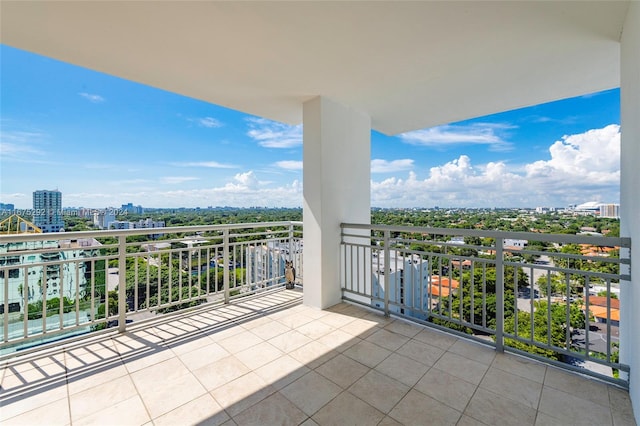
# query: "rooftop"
(270, 360)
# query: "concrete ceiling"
(408, 65)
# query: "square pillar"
(337, 188)
(630, 197)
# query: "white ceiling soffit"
(408, 65)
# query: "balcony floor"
(270, 360)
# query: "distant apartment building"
(141, 224)
(7, 208)
(610, 211)
(56, 273)
(130, 208)
(103, 218)
(265, 263)
(406, 278)
(47, 210)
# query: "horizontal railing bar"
(560, 238)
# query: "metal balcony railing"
(550, 297)
(59, 285)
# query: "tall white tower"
(47, 210)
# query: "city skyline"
(104, 141)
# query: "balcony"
(245, 349)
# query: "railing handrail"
(524, 306)
(18, 238)
(622, 242)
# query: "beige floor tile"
(239, 342)
(379, 391)
(33, 399)
(92, 378)
(621, 408)
(338, 340)
(367, 353)
(402, 368)
(513, 387)
(313, 354)
(168, 393)
(520, 366)
(259, 355)
(315, 329)
(572, 409)
(347, 409)
(387, 339)
(474, 351)
(389, 421)
(361, 328)
(282, 371)
(128, 412)
(494, 409)
(337, 320)
(404, 328)
(543, 419)
(56, 413)
(436, 338)
(289, 341)
(256, 322)
(415, 408)
(294, 320)
(579, 386)
(311, 392)
(145, 359)
(241, 393)
(220, 372)
(421, 352)
(309, 422)
(165, 370)
(182, 346)
(446, 388)
(378, 318)
(342, 370)
(312, 312)
(469, 421)
(201, 411)
(269, 330)
(273, 410)
(462, 367)
(101, 397)
(203, 356)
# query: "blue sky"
(104, 141)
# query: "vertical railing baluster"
(122, 283)
(225, 266)
(499, 295)
(387, 269)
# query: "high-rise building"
(47, 210)
(610, 210)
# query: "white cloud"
(271, 134)
(208, 122)
(93, 98)
(289, 165)
(384, 166)
(208, 164)
(177, 179)
(591, 158)
(583, 166)
(491, 134)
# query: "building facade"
(47, 210)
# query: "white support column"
(630, 196)
(337, 182)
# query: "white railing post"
(387, 271)
(225, 271)
(122, 284)
(500, 295)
